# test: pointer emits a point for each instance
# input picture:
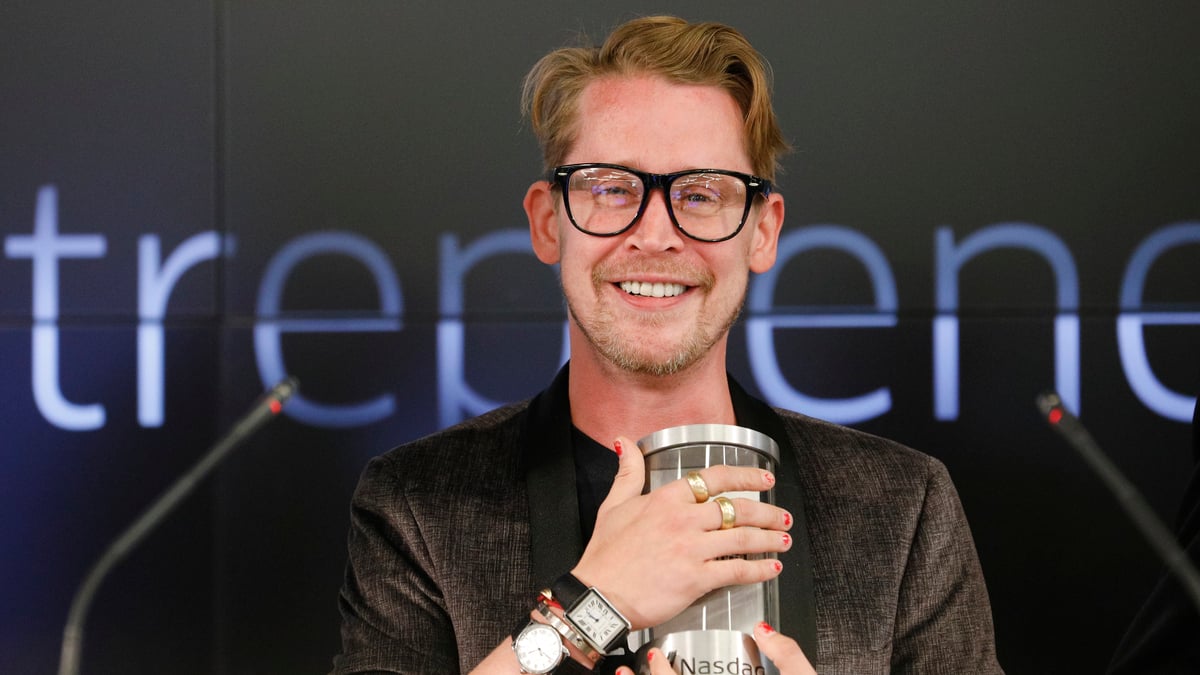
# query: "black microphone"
(263, 411)
(1147, 522)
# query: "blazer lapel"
(555, 536)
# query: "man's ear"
(765, 243)
(540, 202)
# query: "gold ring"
(699, 487)
(728, 515)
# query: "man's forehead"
(611, 91)
(650, 123)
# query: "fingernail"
(787, 539)
(766, 627)
(649, 656)
(787, 520)
(769, 477)
(617, 447)
(778, 566)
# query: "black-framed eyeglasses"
(705, 204)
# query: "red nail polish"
(769, 478)
(787, 520)
(617, 447)
(649, 656)
(766, 628)
(787, 539)
(778, 566)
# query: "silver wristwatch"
(591, 614)
(539, 648)
(546, 600)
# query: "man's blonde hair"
(667, 46)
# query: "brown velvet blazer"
(453, 534)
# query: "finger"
(782, 650)
(631, 472)
(659, 665)
(742, 541)
(722, 478)
(624, 670)
(720, 573)
(747, 513)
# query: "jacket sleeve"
(394, 618)
(944, 621)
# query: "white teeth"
(655, 290)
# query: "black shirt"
(595, 469)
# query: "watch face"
(539, 648)
(597, 620)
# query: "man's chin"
(651, 361)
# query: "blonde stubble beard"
(607, 338)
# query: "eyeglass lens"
(604, 200)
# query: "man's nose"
(654, 231)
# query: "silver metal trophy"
(714, 634)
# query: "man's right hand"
(653, 555)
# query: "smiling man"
(660, 148)
(656, 299)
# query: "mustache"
(681, 272)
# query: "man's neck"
(607, 402)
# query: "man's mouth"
(652, 290)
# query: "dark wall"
(198, 197)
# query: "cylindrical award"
(714, 634)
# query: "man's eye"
(697, 198)
(615, 193)
(611, 189)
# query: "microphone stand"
(263, 411)
(1151, 527)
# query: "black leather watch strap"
(570, 666)
(520, 627)
(567, 589)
